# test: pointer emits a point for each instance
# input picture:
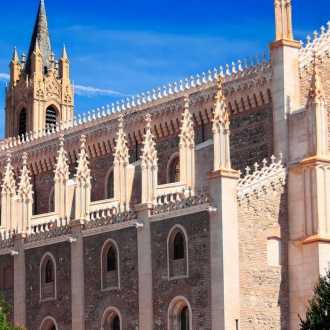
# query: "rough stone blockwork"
(306, 76)
(42, 185)
(7, 282)
(59, 309)
(197, 287)
(264, 288)
(251, 138)
(126, 298)
(99, 169)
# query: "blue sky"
(123, 48)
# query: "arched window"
(184, 319)
(110, 186)
(52, 200)
(178, 246)
(111, 319)
(49, 324)
(110, 266)
(22, 122)
(177, 252)
(48, 278)
(111, 260)
(51, 117)
(49, 272)
(174, 170)
(179, 314)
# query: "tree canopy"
(318, 312)
(5, 309)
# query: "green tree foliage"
(5, 309)
(318, 312)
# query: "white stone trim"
(112, 227)
(177, 213)
(174, 310)
(45, 320)
(110, 242)
(204, 144)
(46, 242)
(111, 311)
(110, 171)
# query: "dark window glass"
(52, 327)
(110, 186)
(175, 170)
(51, 118)
(52, 201)
(184, 319)
(49, 272)
(22, 122)
(116, 323)
(111, 260)
(178, 247)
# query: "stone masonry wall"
(126, 298)
(264, 289)
(251, 137)
(42, 186)
(100, 167)
(324, 69)
(197, 287)
(59, 309)
(7, 288)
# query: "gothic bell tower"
(39, 94)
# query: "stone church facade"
(168, 210)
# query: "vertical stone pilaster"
(19, 280)
(224, 249)
(187, 147)
(145, 267)
(77, 275)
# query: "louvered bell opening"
(22, 122)
(50, 117)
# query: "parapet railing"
(112, 215)
(246, 68)
(178, 201)
(260, 178)
(320, 44)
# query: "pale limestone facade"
(252, 244)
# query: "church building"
(202, 205)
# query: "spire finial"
(41, 34)
(283, 19)
(148, 120)
(24, 158)
(15, 56)
(316, 91)
(64, 53)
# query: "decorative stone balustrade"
(320, 44)
(49, 230)
(109, 216)
(236, 76)
(259, 179)
(178, 201)
(6, 243)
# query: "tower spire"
(41, 34)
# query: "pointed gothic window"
(51, 118)
(111, 319)
(177, 253)
(22, 122)
(184, 319)
(179, 314)
(110, 266)
(178, 247)
(49, 324)
(48, 278)
(110, 186)
(52, 200)
(111, 260)
(49, 272)
(8, 278)
(116, 323)
(174, 170)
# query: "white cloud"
(92, 91)
(4, 77)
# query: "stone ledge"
(316, 239)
